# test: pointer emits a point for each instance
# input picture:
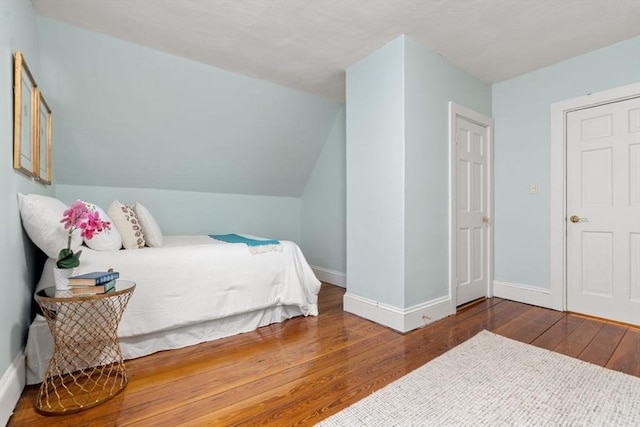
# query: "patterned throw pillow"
(126, 221)
(150, 228)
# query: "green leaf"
(67, 259)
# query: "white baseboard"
(523, 293)
(330, 276)
(11, 385)
(400, 319)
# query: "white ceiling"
(308, 44)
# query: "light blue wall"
(521, 109)
(130, 116)
(20, 261)
(140, 125)
(190, 212)
(398, 171)
(180, 137)
(375, 175)
(430, 83)
(324, 204)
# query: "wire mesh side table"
(87, 366)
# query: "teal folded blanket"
(234, 238)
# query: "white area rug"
(490, 380)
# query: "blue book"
(94, 278)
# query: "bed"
(191, 290)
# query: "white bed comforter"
(193, 279)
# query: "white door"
(603, 211)
(472, 147)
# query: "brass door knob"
(574, 218)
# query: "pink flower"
(76, 212)
(93, 225)
(80, 215)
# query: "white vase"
(61, 277)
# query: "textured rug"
(490, 380)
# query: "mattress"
(191, 290)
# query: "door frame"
(455, 111)
(558, 182)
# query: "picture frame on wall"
(43, 140)
(25, 118)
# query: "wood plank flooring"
(305, 369)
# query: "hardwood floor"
(305, 369)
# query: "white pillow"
(41, 217)
(107, 240)
(150, 228)
(126, 221)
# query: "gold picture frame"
(43, 140)
(25, 117)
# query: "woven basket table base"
(87, 367)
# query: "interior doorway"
(471, 204)
(596, 213)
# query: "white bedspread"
(194, 279)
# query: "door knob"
(485, 219)
(575, 218)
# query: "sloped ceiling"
(128, 116)
(307, 44)
(180, 94)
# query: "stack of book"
(94, 283)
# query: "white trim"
(455, 111)
(337, 278)
(11, 385)
(523, 293)
(558, 182)
(400, 319)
